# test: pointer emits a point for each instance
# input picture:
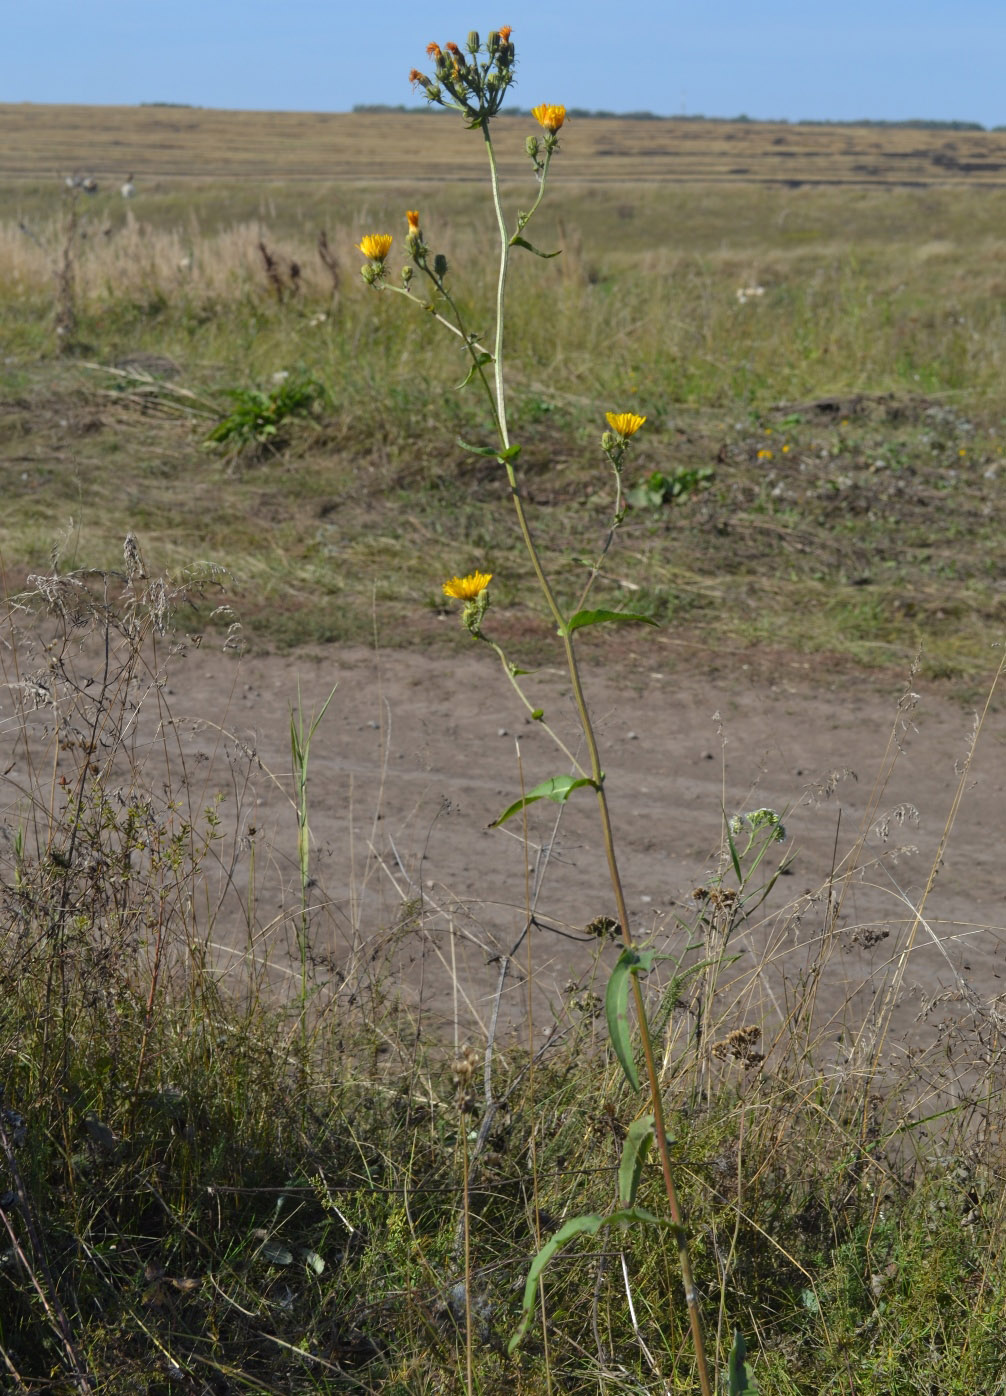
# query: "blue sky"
(768, 58)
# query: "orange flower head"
(549, 116)
(433, 50)
(453, 48)
(412, 215)
(505, 32)
(414, 76)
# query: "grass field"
(843, 408)
(212, 1192)
(191, 144)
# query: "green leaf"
(634, 1151)
(480, 362)
(491, 452)
(588, 1225)
(510, 452)
(602, 618)
(557, 788)
(616, 1007)
(740, 1377)
(517, 241)
(734, 858)
(276, 1254)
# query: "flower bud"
(474, 42)
(475, 612)
(531, 146)
(609, 441)
(406, 275)
(492, 42)
(370, 273)
(440, 266)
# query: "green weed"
(257, 416)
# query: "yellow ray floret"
(549, 116)
(376, 246)
(625, 423)
(467, 588)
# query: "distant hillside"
(177, 144)
(583, 113)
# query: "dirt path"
(419, 752)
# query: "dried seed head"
(464, 1067)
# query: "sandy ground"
(420, 751)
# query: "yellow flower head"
(376, 246)
(624, 423)
(412, 215)
(468, 588)
(549, 116)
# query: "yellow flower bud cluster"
(474, 80)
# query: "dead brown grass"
(191, 143)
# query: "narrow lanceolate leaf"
(588, 1225)
(603, 618)
(734, 858)
(480, 362)
(616, 1007)
(557, 788)
(634, 1151)
(517, 241)
(500, 453)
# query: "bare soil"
(421, 750)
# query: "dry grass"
(870, 370)
(43, 142)
(212, 1185)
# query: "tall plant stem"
(466, 1203)
(597, 778)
